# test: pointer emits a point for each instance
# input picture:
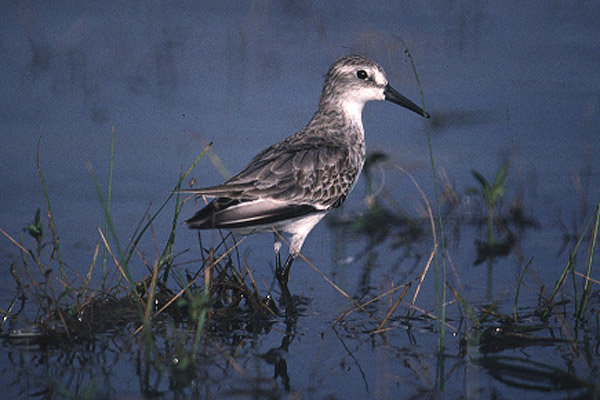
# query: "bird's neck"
(342, 115)
(352, 111)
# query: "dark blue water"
(516, 83)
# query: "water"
(510, 82)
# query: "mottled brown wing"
(314, 172)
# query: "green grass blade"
(587, 287)
(55, 241)
(108, 223)
(105, 208)
(501, 175)
(481, 179)
(465, 305)
(440, 297)
(175, 191)
(519, 288)
(569, 265)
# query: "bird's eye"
(362, 74)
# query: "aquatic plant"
(491, 193)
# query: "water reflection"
(232, 74)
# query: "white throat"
(353, 112)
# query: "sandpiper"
(290, 186)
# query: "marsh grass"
(440, 270)
(580, 303)
(218, 296)
(488, 322)
(60, 307)
(491, 193)
(491, 328)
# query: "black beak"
(395, 97)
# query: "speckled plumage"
(292, 184)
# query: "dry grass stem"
(190, 283)
(423, 274)
(336, 287)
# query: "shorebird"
(290, 186)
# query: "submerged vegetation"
(179, 307)
(193, 320)
(202, 323)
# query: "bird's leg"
(282, 273)
(283, 277)
(277, 247)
